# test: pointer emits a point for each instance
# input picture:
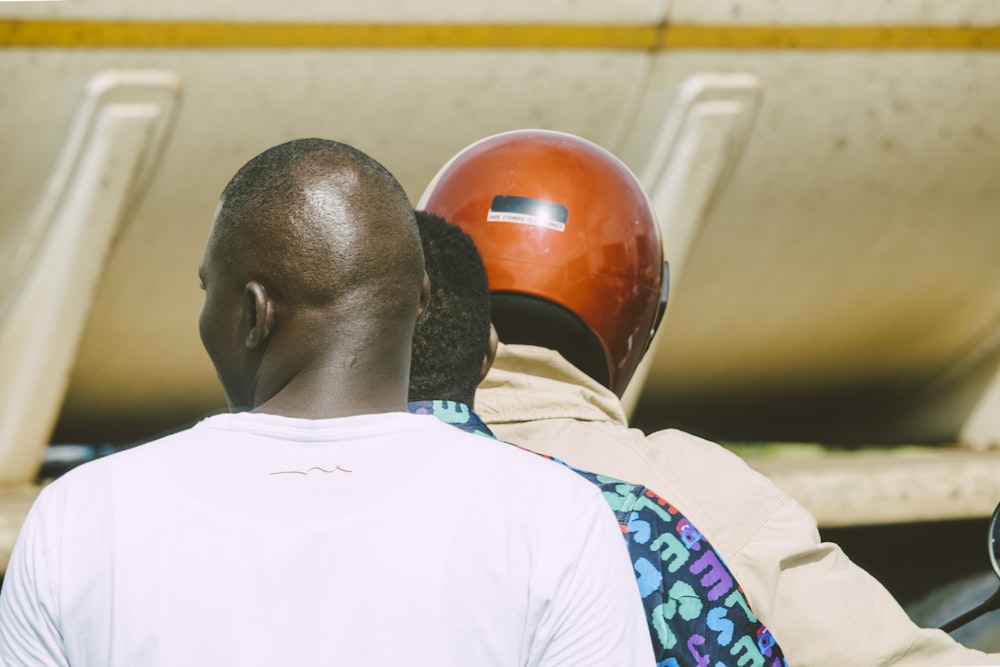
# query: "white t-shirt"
(253, 539)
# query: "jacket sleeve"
(821, 607)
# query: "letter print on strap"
(698, 614)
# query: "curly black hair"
(452, 336)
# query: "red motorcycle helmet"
(570, 242)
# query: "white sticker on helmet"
(528, 211)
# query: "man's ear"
(260, 311)
(425, 295)
(491, 353)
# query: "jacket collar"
(529, 383)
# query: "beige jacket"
(822, 608)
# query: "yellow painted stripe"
(104, 34)
(832, 37)
(228, 35)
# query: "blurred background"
(824, 173)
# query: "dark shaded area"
(521, 318)
(925, 408)
(937, 571)
(126, 429)
(856, 415)
(915, 558)
(957, 599)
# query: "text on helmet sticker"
(528, 211)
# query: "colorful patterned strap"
(698, 615)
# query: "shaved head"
(295, 214)
(315, 245)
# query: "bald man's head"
(313, 246)
(306, 208)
